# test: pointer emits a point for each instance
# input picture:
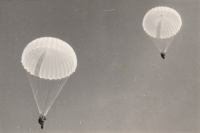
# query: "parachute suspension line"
(41, 87)
(40, 92)
(45, 91)
(55, 93)
(49, 88)
(162, 44)
(50, 97)
(168, 43)
(34, 87)
(45, 86)
(54, 88)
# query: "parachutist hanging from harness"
(43, 59)
(162, 55)
(162, 24)
(41, 120)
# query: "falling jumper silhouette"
(162, 55)
(41, 121)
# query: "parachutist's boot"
(162, 55)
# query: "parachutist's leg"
(162, 55)
(42, 124)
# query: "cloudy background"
(121, 84)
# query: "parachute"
(162, 24)
(48, 62)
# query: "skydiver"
(162, 55)
(41, 121)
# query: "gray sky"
(121, 83)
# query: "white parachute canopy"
(49, 62)
(162, 24)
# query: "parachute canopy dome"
(162, 22)
(49, 58)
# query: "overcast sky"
(121, 83)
